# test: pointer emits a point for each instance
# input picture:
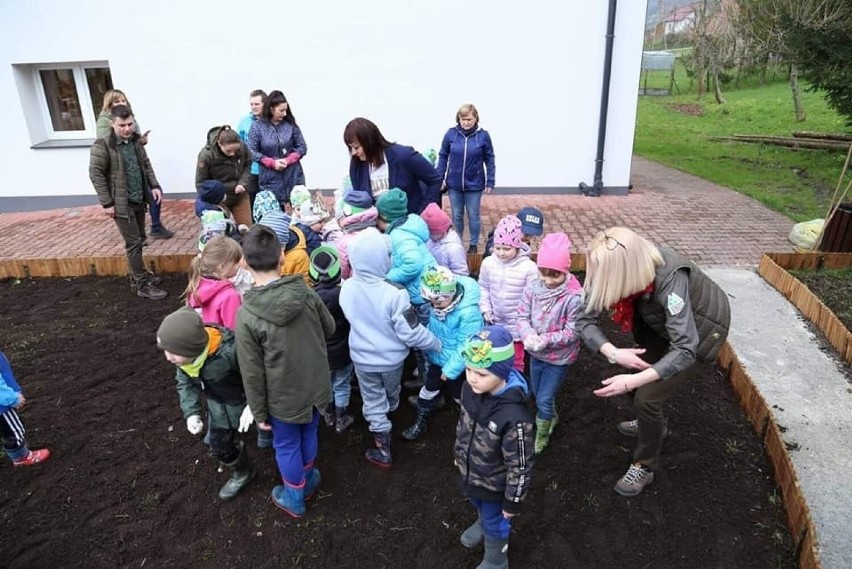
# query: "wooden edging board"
(773, 268)
(799, 521)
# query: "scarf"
(548, 296)
(214, 339)
(622, 311)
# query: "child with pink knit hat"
(444, 243)
(548, 312)
(502, 279)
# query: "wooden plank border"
(800, 295)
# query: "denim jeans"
(459, 201)
(154, 210)
(380, 394)
(545, 381)
(340, 385)
(295, 447)
(494, 525)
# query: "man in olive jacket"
(282, 328)
(121, 173)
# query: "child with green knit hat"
(206, 362)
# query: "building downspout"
(597, 185)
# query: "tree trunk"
(797, 95)
(764, 68)
(717, 90)
(699, 70)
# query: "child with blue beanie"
(494, 442)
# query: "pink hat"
(508, 232)
(435, 218)
(555, 252)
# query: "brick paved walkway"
(708, 223)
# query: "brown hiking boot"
(631, 428)
(148, 290)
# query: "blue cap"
(532, 221)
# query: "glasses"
(611, 242)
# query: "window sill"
(71, 143)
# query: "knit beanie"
(356, 201)
(435, 218)
(279, 222)
(182, 333)
(325, 264)
(555, 253)
(264, 202)
(392, 205)
(312, 212)
(532, 221)
(508, 232)
(212, 191)
(491, 348)
(299, 195)
(438, 283)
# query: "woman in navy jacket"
(378, 165)
(466, 165)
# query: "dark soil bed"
(128, 486)
(833, 288)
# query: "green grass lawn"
(797, 183)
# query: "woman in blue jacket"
(276, 142)
(378, 165)
(466, 165)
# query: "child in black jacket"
(325, 276)
(494, 442)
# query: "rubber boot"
(312, 482)
(290, 498)
(496, 554)
(342, 419)
(329, 415)
(543, 430)
(381, 454)
(241, 474)
(416, 430)
(473, 536)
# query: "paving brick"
(714, 225)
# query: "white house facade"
(533, 70)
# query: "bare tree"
(760, 21)
(714, 44)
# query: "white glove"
(194, 424)
(246, 419)
(533, 343)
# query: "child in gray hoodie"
(384, 326)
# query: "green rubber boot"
(543, 429)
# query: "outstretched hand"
(629, 358)
(616, 385)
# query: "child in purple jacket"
(548, 312)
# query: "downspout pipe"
(597, 185)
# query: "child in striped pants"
(14, 433)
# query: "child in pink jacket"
(502, 278)
(354, 214)
(209, 291)
(548, 312)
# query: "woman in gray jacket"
(677, 316)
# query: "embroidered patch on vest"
(675, 304)
(492, 426)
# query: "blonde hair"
(465, 109)
(219, 251)
(619, 263)
(112, 96)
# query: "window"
(62, 101)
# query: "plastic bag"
(804, 234)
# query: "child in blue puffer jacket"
(455, 318)
(14, 433)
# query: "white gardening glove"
(246, 419)
(533, 343)
(194, 424)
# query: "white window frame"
(85, 99)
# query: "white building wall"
(533, 70)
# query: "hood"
(471, 292)
(358, 221)
(414, 225)
(296, 240)
(516, 388)
(211, 137)
(279, 302)
(370, 255)
(207, 289)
